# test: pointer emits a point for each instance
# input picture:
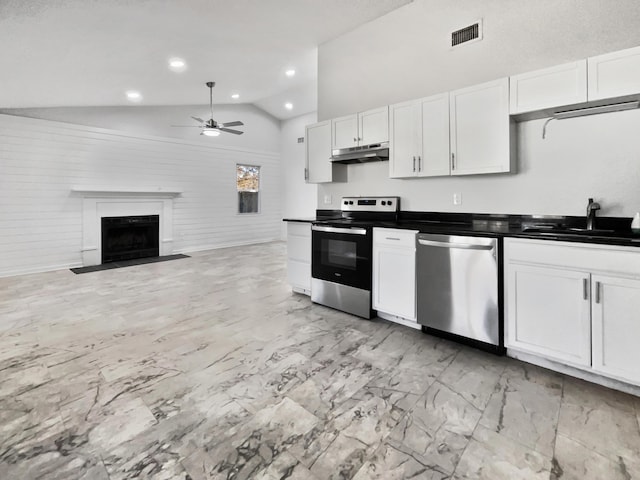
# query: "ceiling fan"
(211, 128)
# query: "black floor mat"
(127, 263)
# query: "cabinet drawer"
(394, 237)
(575, 256)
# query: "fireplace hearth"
(126, 238)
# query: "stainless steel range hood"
(375, 152)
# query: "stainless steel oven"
(341, 255)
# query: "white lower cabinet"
(616, 327)
(394, 273)
(299, 256)
(575, 303)
(550, 312)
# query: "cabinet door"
(404, 139)
(550, 87)
(434, 159)
(480, 136)
(394, 281)
(614, 74)
(548, 313)
(616, 327)
(318, 139)
(299, 256)
(345, 131)
(373, 126)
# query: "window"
(248, 183)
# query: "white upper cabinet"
(344, 131)
(363, 128)
(373, 126)
(319, 168)
(435, 136)
(419, 138)
(614, 74)
(404, 139)
(480, 129)
(550, 87)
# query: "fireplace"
(126, 238)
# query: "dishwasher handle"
(466, 246)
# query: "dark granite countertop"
(301, 220)
(609, 230)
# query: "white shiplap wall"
(41, 160)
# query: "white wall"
(261, 130)
(406, 55)
(298, 197)
(40, 161)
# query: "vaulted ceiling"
(91, 52)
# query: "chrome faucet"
(592, 208)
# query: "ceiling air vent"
(467, 34)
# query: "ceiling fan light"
(210, 132)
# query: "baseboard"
(574, 372)
(48, 268)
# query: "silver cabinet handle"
(350, 231)
(414, 164)
(355, 139)
(306, 174)
(585, 288)
(391, 238)
(453, 161)
(597, 292)
(466, 246)
(419, 163)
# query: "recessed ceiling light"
(177, 64)
(134, 96)
(235, 96)
(288, 106)
(290, 73)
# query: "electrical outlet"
(327, 199)
(457, 199)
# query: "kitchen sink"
(567, 231)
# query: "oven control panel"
(370, 204)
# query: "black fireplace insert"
(125, 238)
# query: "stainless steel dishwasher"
(458, 284)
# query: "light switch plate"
(327, 199)
(457, 199)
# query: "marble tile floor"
(210, 368)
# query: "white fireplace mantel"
(98, 202)
(92, 191)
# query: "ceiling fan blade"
(187, 126)
(232, 124)
(198, 119)
(228, 130)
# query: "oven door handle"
(350, 231)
